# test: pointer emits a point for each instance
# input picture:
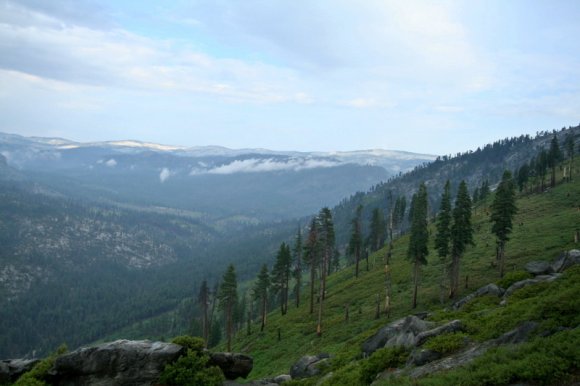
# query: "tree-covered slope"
(545, 227)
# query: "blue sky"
(435, 77)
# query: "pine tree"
(297, 274)
(541, 167)
(228, 297)
(260, 292)
(281, 275)
(312, 257)
(377, 230)
(554, 157)
(419, 238)
(443, 235)
(523, 176)
(355, 243)
(503, 210)
(461, 234)
(569, 146)
(327, 238)
(203, 301)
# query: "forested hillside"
(546, 225)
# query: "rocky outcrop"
(490, 289)
(539, 268)
(11, 369)
(401, 332)
(524, 283)
(453, 326)
(122, 362)
(233, 365)
(566, 260)
(309, 366)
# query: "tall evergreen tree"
(260, 292)
(297, 274)
(541, 167)
(355, 244)
(281, 275)
(503, 210)
(461, 234)
(443, 235)
(554, 157)
(228, 297)
(203, 299)
(419, 238)
(569, 146)
(312, 257)
(377, 228)
(327, 240)
(523, 176)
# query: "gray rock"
(453, 326)
(490, 289)
(282, 378)
(517, 335)
(524, 283)
(121, 362)
(401, 332)
(12, 369)
(309, 366)
(566, 260)
(233, 365)
(539, 268)
(419, 357)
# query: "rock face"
(121, 362)
(233, 365)
(308, 366)
(524, 283)
(566, 260)
(11, 369)
(401, 332)
(490, 289)
(539, 268)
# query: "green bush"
(513, 277)
(191, 370)
(37, 375)
(191, 342)
(447, 343)
(382, 359)
(349, 375)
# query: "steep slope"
(546, 224)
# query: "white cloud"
(164, 175)
(269, 165)
(111, 163)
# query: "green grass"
(543, 229)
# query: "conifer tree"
(312, 257)
(203, 301)
(419, 238)
(569, 146)
(260, 292)
(355, 243)
(503, 210)
(554, 157)
(281, 275)
(377, 230)
(443, 235)
(228, 297)
(461, 234)
(297, 273)
(541, 166)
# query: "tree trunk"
(357, 258)
(454, 276)
(263, 324)
(501, 260)
(229, 326)
(320, 305)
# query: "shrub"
(513, 277)
(447, 343)
(191, 370)
(382, 359)
(191, 342)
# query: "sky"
(435, 77)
